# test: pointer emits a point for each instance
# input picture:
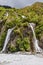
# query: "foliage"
(11, 17)
(2, 38)
(23, 45)
(11, 48)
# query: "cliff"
(21, 37)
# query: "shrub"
(11, 48)
(9, 24)
(2, 38)
(23, 45)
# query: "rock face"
(20, 41)
(41, 42)
(22, 36)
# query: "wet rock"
(41, 42)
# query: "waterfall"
(35, 41)
(7, 39)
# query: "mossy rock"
(2, 39)
(12, 48)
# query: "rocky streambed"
(20, 59)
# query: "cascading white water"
(35, 41)
(7, 39)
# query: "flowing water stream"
(7, 39)
(19, 59)
(35, 41)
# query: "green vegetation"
(12, 48)
(2, 38)
(23, 45)
(11, 17)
